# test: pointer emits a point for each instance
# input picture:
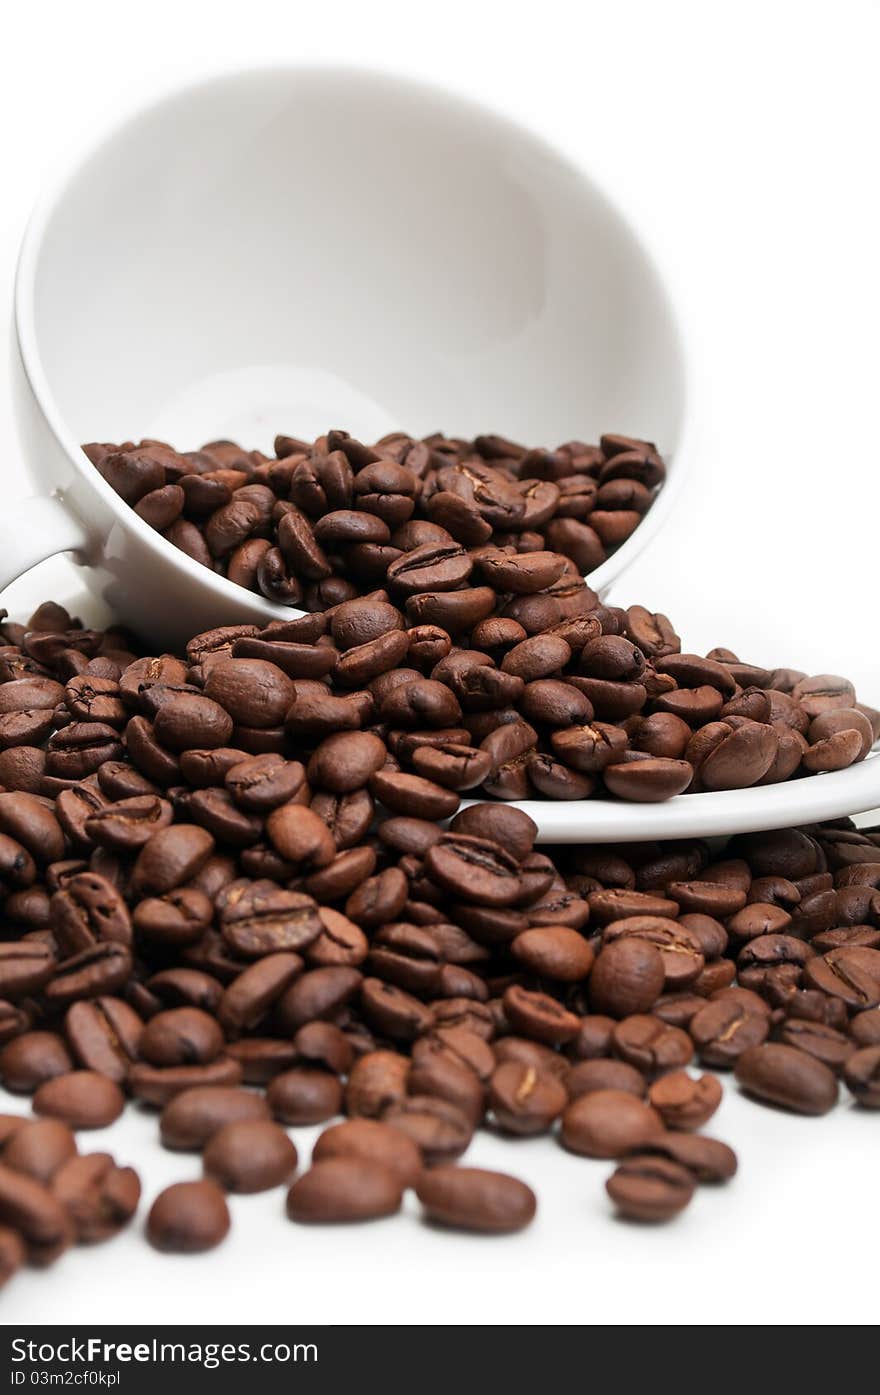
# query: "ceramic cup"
(298, 248)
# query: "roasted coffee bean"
(680, 948)
(25, 967)
(82, 1099)
(627, 977)
(304, 1096)
(647, 1188)
(301, 836)
(169, 858)
(474, 869)
(817, 1039)
(524, 1100)
(555, 952)
(442, 1075)
(706, 1158)
(28, 1060)
(587, 1076)
(253, 992)
(250, 1155)
(12, 1253)
(156, 1085)
(182, 1036)
(99, 1197)
(864, 1028)
(609, 1124)
(259, 919)
(370, 1141)
(862, 1076)
(344, 1188)
(851, 973)
(315, 996)
(471, 1198)
(29, 1208)
(539, 1016)
(775, 1073)
(684, 1102)
(724, 1029)
(650, 1045)
(104, 1034)
(188, 1218)
(192, 1117)
(92, 973)
(377, 1080)
(89, 910)
(440, 1129)
(40, 1148)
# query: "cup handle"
(33, 530)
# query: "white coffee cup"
(298, 248)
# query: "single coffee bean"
(587, 1076)
(304, 1096)
(157, 1085)
(862, 1076)
(104, 1034)
(725, 1028)
(555, 952)
(40, 1148)
(188, 1218)
(609, 1124)
(647, 1188)
(30, 1209)
(525, 1101)
(344, 1189)
(192, 1117)
(650, 1045)
(373, 1142)
(257, 988)
(171, 857)
(82, 1099)
(250, 1155)
(864, 1028)
(817, 1039)
(850, 973)
(684, 1102)
(12, 1253)
(92, 973)
(25, 967)
(472, 1198)
(627, 978)
(98, 1196)
(439, 1128)
(778, 1074)
(538, 1016)
(181, 1037)
(706, 1158)
(30, 1059)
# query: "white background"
(741, 139)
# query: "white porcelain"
(296, 248)
(840, 794)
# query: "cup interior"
(297, 249)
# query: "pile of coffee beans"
(414, 708)
(246, 942)
(324, 522)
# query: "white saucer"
(809, 800)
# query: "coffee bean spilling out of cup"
(327, 521)
(198, 921)
(418, 701)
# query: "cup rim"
(67, 167)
